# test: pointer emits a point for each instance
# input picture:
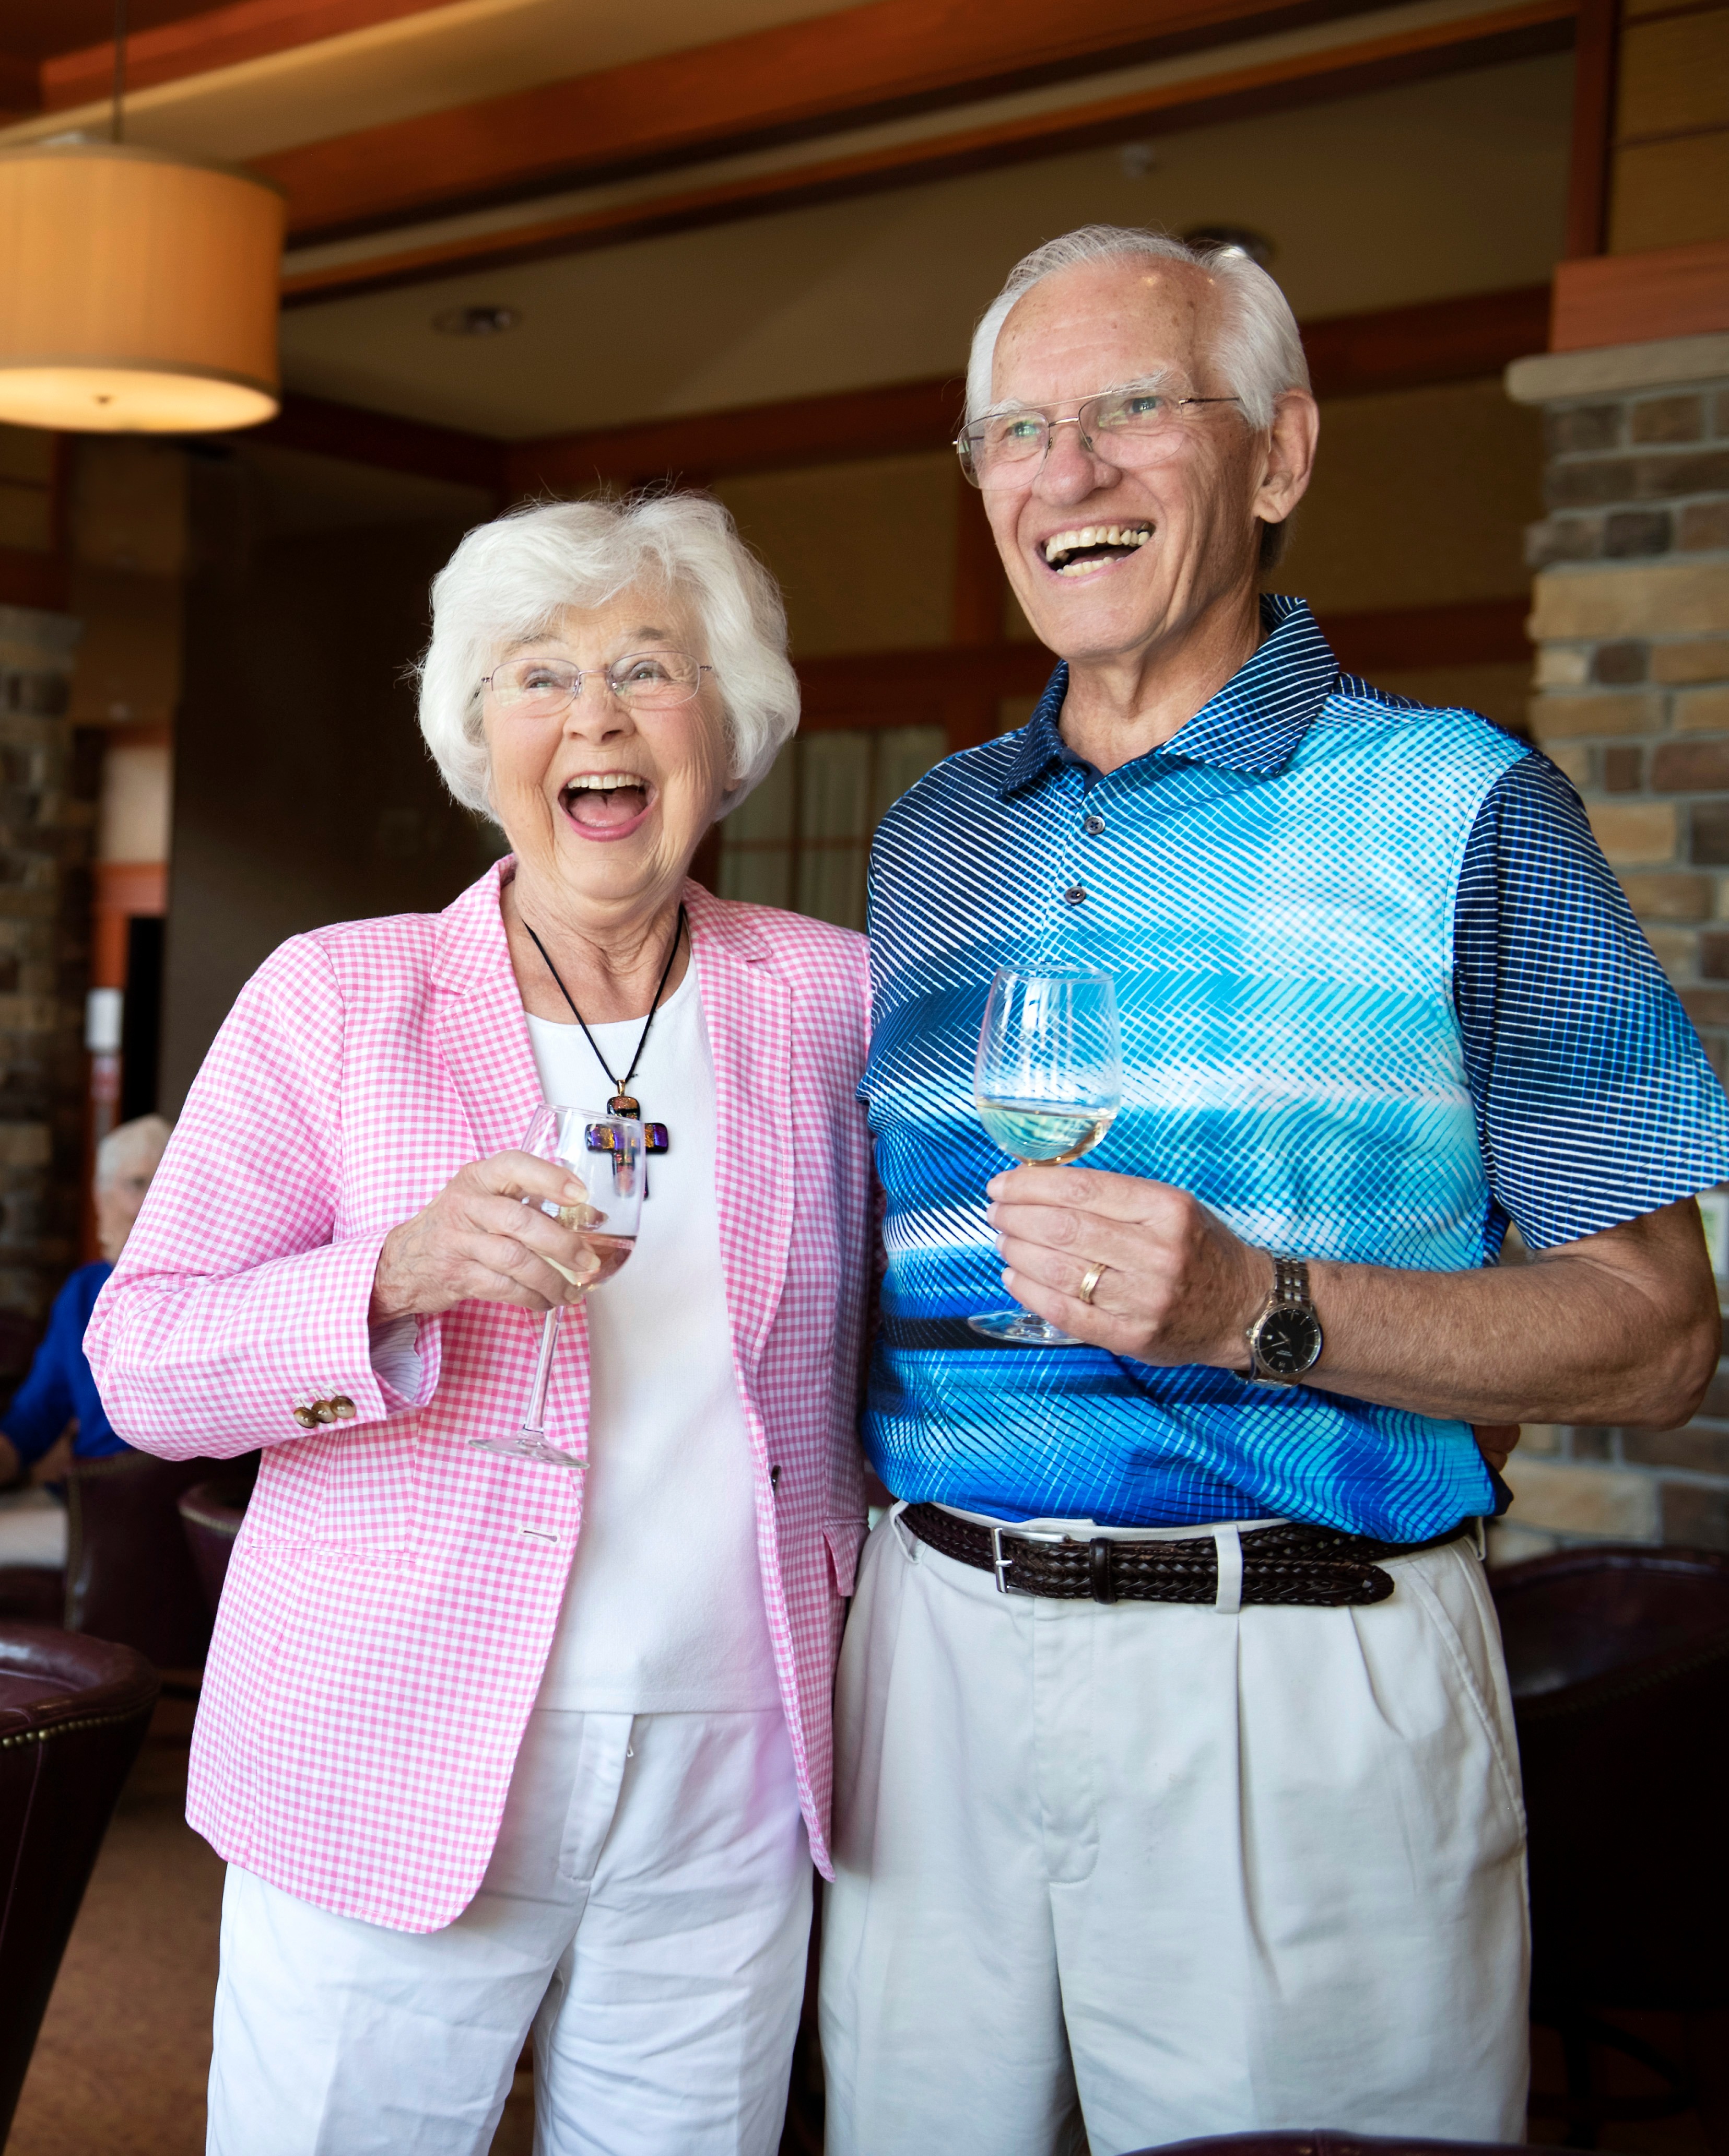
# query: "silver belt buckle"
(1000, 1564)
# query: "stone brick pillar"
(1631, 622)
(47, 810)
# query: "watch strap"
(1289, 1291)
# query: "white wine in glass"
(1047, 1082)
(606, 1152)
(1030, 1130)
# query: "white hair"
(131, 1148)
(508, 580)
(1257, 348)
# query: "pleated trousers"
(1149, 1870)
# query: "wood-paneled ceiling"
(430, 152)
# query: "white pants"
(646, 1911)
(1184, 1872)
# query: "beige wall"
(864, 552)
(1419, 498)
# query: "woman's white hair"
(509, 580)
(134, 1148)
(1259, 349)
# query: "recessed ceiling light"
(476, 322)
(1235, 238)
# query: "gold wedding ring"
(1090, 1282)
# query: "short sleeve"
(1594, 1101)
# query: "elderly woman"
(491, 1746)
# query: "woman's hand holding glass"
(485, 1238)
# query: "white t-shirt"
(664, 1610)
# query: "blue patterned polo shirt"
(1379, 995)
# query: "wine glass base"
(529, 1445)
(1020, 1329)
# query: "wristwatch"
(1285, 1340)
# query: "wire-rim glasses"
(1129, 428)
(643, 681)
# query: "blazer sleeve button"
(307, 1418)
(342, 1408)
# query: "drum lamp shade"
(138, 290)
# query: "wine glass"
(1047, 1081)
(606, 1152)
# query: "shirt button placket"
(1073, 925)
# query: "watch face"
(1289, 1342)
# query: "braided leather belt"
(1317, 1567)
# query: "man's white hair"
(508, 580)
(133, 1148)
(1257, 348)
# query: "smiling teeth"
(1091, 535)
(603, 782)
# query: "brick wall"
(1631, 622)
(46, 811)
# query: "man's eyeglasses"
(1130, 429)
(645, 681)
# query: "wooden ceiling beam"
(1503, 33)
(1416, 347)
(219, 38)
(802, 430)
(884, 59)
(381, 439)
(1459, 340)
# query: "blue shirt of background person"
(59, 1387)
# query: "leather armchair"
(36, 1594)
(73, 1714)
(130, 1576)
(1620, 1661)
(211, 1512)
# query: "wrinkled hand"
(477, 1242)
(1179, 1287)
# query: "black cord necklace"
(654, 1135)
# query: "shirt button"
(1075, 894)
(1093, 826)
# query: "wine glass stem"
(534, 1419)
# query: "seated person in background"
(59, 1387)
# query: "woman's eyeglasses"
(645, 681)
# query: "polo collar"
(1254, 724)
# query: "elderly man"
(1177, 1785)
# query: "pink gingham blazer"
(393, 1593)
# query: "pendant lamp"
(138, 289)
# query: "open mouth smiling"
(1089, 547)
(606, 804)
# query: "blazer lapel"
(749, 1010)
(482, 1032)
